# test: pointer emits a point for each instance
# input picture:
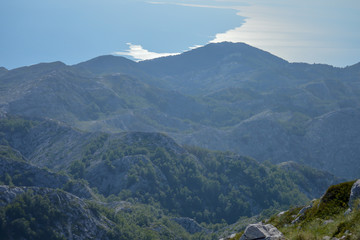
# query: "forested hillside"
(152, 168)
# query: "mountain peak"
(227, 46)
(209, 56)
(55, 64)
(3, 70)
(107, 64)
(107, 59)
(41, 67)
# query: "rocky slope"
(328, 218)
(45, 213)
(99, 122)
(187, 180)
(20, 173)
(327, 142)
(39, 213)
(334, 216)
(227, 65)
(68, 94)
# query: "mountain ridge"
(153, 166)
(223, 134)
(211, 109)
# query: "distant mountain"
(225, 96)
(210, 56)
(109, 64)
(3, 70)
(327, 142)
(213, 67)
(61, 92)
(115, 149)
(224, 65)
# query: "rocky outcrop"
(260, 231)
(25, 174)
(301, 213)
(355, 194)
(115, 178)
(190, 225)
(76, 219)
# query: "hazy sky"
(321, 31)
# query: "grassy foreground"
(325, 218)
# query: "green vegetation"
(46, 215)
(140, 222)
(161, 178)
(326, 217)
(30, 216)
(7, 153)
(211, 187)
(297, 124)
(13, 124)
(334, 201)
(203, 93)
(91, 148)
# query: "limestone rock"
(26, 174)
(260, 231)
(355, 193)
(190, 225)
(301, 213)
(76, 220)
(328, 221)
(229, 237)
(347, 212)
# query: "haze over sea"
(73, 31)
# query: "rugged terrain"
(334, 216)
(182, 147)
(222, 96)
(193, 182)
(119, 173)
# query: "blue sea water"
(73, 31)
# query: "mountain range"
(96, 180)
(219, 135)
(225, 96)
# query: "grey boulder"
(260, 231)
(355, 193)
